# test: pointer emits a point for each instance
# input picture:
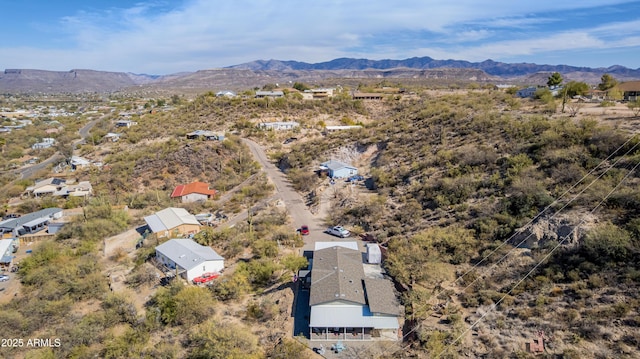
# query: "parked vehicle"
(206, 277)
(4, 278)
(338, 231)
(289, 140)
(355, 178)
(304, 230)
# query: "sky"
(163, 37)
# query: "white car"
(4, 278)
(338, 231)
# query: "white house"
(188, 258)
(49, 186)
(278, 126)
(78, 162)
(205, 134)
(337, 169)
(82, 189)
(273, 94)
(113, 137)
(226, 93)
(125, 123)
(345, 303)
(46, 142)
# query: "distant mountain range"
(261, 72)
(491, 67)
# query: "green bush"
(222, 340)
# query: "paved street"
(27, 172)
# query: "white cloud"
(204, 34)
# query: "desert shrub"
(289, 348)
(258, 272)
(127, 345)
(231, 287)
(118, 309)
(264, 310)
(264, 248)
(302, 180)
(426, 255)
(88, 330)
(183, 305)
(265, 220)
(607, 242)
(294, 262)
(141, 275)
(606, 103)
(222, 340)
(589, 331)
(437, 344)
(288, 239)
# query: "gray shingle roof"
(337, 274)
(381, 296)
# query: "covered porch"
(350, 322)
(344, 333)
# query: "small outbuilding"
(7, 248)
(374, 256)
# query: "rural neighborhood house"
(193, 192)
(345, 303)
(172, 222)
(189, 259)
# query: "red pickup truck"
(206, 277)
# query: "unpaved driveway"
(300, 213)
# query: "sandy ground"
(619, 115)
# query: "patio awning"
(350, 316)
(36, 222)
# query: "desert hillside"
(501, 221)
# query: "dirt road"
(293, 201)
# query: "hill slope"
(76, 81)
(261, 72)
(491, 67)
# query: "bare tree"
(574, 108)
(634, 106)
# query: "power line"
(537, 264)
(551, 205)
(544, 210)
(540, 214)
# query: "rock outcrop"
(570, 229)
